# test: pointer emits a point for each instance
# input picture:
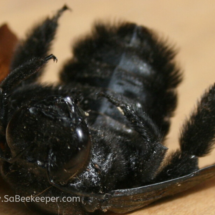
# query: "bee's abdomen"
(130, 61)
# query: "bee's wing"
(127, 200)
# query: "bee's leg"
(23, 72)
(37, 44)
(148, 152)
(198, 133)
(196, 139)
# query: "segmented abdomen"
(129, 61)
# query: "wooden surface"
(189, 24)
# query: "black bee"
(100, 134)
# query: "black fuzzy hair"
(141, 57)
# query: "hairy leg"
(37, 44)
(196, 139)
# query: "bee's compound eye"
(69, 158)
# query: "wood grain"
(189, 24)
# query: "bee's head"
(51, 134)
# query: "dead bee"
(99, 135)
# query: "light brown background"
(189, 24)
